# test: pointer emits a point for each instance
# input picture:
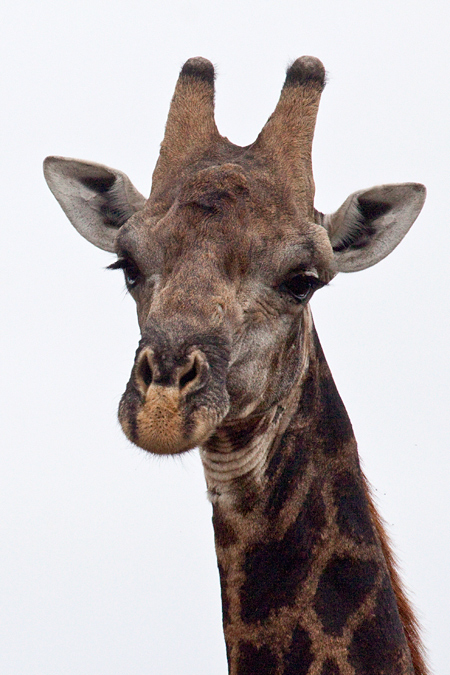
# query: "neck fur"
(308, 582)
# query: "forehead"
(224, 212)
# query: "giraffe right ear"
(370, 223)
(96, 199)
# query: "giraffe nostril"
(144, 372)
(186, 377)
(191, 374)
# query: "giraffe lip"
(165, 422)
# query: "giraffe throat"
(306, 589)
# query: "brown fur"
(409, 621)
(159, 422)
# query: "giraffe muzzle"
(172, 402)
(183, 379)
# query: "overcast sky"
(107, 560)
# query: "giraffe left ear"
(370, 223)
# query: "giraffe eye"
(130, 271)
(300, 287)
(131, 274)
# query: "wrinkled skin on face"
(220, 299)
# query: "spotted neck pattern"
(307, 580)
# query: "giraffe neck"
(306, 588)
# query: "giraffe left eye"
(300, 287)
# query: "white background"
(107, 560)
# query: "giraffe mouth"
(171, 416)
(164, 424)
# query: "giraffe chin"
(162, 427)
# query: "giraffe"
(222, 261)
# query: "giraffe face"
(221, 283)
(224, 256)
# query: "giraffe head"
(224, 256)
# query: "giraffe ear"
(96, 199)
(370, 223)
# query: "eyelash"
(130, 270)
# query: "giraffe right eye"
(131, 275)
(130, 271)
